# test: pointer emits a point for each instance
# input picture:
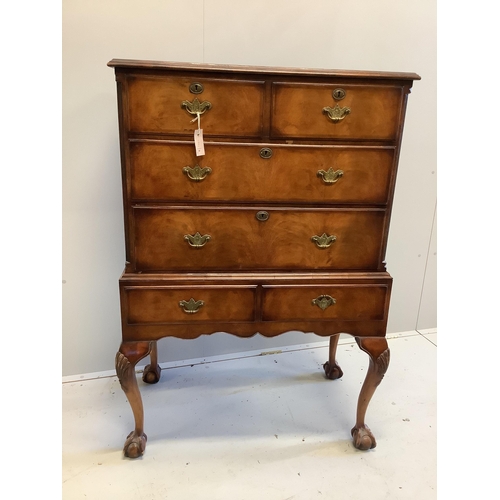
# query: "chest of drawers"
(280, 224)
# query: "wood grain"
(238, 241)
(155, 106)
(242, 275)
(240, 174)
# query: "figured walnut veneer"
(281, 225)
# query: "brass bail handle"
(330, 176)
(197, 240)
(324, 241)
(197, 173)
(323, 302)
(196, 107)
(337, 113)
(191, 306)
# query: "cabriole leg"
(152, 372)
(378, 351)
(332, 369)
(126, 359)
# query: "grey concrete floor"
(268, 427)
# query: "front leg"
(126, 359)
(379, 353)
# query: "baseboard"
(344, 339)
(208, 359)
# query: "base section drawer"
(325, 302)
(159, 305)
(164, 304)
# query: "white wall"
(392, 35)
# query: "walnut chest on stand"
(256, 200)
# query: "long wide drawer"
(171, 171)
(325, 302)
(210, 238)
(167, 105)
(336, 111)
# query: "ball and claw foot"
(135, 445)
(333, 372)
(363, 438)
(151, 375)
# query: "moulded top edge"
(182, 66)
(257, 276)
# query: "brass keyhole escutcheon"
(266, 153)
(338, 94)
(262, 215)
(196, 88)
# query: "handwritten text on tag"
(198, 142)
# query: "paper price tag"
(198, 142)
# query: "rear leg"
(152, 372)
(332, 369)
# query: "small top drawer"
(167, 105)
(331, 111)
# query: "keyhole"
(266, 153)
(338, 94)
(196, 88)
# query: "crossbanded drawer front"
(366, 112)
(166, 105)
(189, 304)
(208, 238)
(171, 171)
(325, 302)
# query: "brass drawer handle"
(197, 240)
(337, 113)
(323, 241)
(197, 173)
(196, 107)
(323, 301)
(330, 176)
(191, 306)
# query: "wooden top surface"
(182, 66)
